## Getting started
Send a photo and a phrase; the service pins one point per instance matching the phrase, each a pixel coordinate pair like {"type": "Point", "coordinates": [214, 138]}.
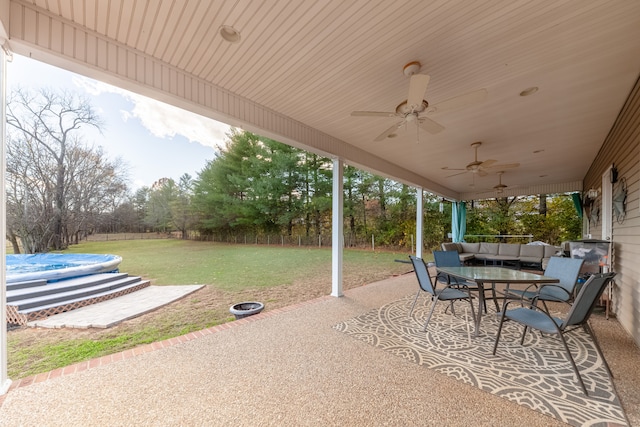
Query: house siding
{"type": "Point", "coordinates": [622, 148]}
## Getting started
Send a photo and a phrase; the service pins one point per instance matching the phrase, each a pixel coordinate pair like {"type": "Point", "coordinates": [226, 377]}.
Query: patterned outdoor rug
{"type": "Point", "coordinates": [537, 375]}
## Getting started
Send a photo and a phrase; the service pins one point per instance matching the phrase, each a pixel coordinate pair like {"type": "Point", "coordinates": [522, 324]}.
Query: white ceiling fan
{"type": "Point", "coordinates": [500, 188]}
{"type": "Point", "coordinates": [415, 108]}
{"type": "Point", "coordinates": [481, 168]}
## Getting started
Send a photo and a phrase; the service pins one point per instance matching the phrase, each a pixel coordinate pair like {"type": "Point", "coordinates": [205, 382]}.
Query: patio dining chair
{"type": "Point", "coordinates": [564, 269]}
{"type": "Point", "coordinates": [533, 317]}
{"type": "Point", "coordinates": [448, 259]}
{"type": "Point", "coordinates": [449, 293]}
{"type": "Point", "coordinates": [451, 259]}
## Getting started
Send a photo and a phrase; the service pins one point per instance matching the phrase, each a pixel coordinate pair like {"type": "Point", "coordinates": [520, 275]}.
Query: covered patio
{"type": "Point", "coordinates": [290, 367]}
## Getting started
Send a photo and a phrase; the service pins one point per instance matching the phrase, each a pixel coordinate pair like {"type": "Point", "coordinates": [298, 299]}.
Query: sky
{"type": "Point", "coordinates": [155, 140]}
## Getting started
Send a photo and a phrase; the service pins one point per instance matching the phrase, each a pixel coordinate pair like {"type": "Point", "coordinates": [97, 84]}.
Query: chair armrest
{"type": "Point", "coordinates": [507, 290]}
{"type": "Point", "coordinates": [555, 322]}
{"type": "Point", "coordinates": [523, 303]}
{"type": "Point", "coordinates": [533, 285]}
{"type": "Point", "coordinates": [555, 286]}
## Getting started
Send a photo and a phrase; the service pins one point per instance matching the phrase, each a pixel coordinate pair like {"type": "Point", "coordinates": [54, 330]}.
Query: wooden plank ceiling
{"type": "Point", "coordinates": [315, 62]}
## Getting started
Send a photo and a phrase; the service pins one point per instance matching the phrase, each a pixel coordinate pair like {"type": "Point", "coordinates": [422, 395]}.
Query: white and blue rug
{"type": "Point", "coordinates": [537, 375]}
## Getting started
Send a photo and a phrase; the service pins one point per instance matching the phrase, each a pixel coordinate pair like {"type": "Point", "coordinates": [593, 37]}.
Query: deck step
{"type": "Point", "coordinates": [34, 300]}
{"type": "Point", "coordinates": [25, 284]}
{"type": "Point", "coordinates": [129, 286]}
{"type": "Point", "coordinates": [73, 294]}
{"type": "Point", "coordinates": [68, 285]}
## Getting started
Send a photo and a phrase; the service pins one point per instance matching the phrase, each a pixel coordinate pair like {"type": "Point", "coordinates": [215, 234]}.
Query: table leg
{"type": "Point", "coordinates": [480, 307]}
{"type": "Point", "coordinates": [495, 296]}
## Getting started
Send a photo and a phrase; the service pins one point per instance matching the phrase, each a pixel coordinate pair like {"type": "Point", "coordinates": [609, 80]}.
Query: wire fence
{"type": "Point", "coordinates": [323, 240]}
{"type": "Point", "coordinates": [513, 238]}
{"type": "Point", "coordinates": [105, 237]}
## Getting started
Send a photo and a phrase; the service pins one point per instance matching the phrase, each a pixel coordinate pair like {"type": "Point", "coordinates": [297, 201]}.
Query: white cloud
{"type": "Point", "coordinates": [162, 120]}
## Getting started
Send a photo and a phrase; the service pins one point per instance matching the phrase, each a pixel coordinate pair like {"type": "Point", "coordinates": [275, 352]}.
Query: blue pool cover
{"type": "Point", "coordinates": [51, 266]}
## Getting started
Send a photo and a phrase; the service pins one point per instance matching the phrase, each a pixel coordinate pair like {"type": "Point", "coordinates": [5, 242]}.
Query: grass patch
{"type": "Point", "coordinates": [227, 267]}
{"type": "Point", "coordinates": [277, 276]}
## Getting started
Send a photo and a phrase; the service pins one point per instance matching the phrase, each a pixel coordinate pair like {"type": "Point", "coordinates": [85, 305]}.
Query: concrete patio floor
{"type": "Point", "coordinates": [283, 367]}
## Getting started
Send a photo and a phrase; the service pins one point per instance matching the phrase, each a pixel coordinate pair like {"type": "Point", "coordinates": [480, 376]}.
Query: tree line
{"type": "Point", "coordinates": [60, 189]}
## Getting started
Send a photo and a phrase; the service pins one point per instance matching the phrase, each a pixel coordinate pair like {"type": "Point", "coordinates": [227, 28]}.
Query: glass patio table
{"type": "Point", "coordinates": [490, 276]}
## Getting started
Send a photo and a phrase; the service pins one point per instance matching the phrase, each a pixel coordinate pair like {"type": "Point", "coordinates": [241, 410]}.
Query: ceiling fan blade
{"type": "Point", "coordinates": [501, 167]}
{"type": "Point", "coordinates": [446, 168]}
{"type": "Point", "coordinates": [373, 114]}
{"type": "Point", "coordinates": [388, 132]}
{"type": "Point", "coordinates": [430, 126]}
{"type": "Point", "coordinates": [456, 174]}
{"type": "Point", "coordinates": [460, 101]}
{"type": "Point", "coordinates": [481, 172]}
{"type": "Point", "coordinates": [487, 163]}
{"type": "Point", "coordinates": [417, 88]}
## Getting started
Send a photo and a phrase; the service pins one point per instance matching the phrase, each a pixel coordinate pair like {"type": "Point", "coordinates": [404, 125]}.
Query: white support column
{"type": "Point", "coordinates": [337, 229]}
{"type": "Point", "coordinates": [5, 382]}
{"type": "Point", "coordinates": [419, 218]}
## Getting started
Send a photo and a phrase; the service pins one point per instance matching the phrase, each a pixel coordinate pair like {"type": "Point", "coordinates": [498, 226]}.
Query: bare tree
{"type": "Point", "coordinates": [45, 160]}
{"type": "Point", "coordinates": [49, 121]}
{"type": "Point", "coordinates": [94, 186]}
{"type": "Point", "coordinates": [29, 197]}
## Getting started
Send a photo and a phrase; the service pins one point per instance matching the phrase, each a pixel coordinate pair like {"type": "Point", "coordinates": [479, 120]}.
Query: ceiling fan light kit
{"type": "Point", "coordinates": [411, 113]}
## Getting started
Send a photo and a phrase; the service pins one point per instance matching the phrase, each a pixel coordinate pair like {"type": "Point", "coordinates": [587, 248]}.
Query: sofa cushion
{"type": "Point", "coordinates": [470, 248]}
{"type": "Point", "coordinates": [509, 249]}
{"type": "Point", "coordinates": [534, 254]}
{"type": "Point", "coordinates": [488, 248]}
{"type": "Point", "coordinates": [531, 253]}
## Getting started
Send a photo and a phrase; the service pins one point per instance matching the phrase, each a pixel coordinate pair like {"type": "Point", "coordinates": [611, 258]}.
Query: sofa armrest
{"type": "Point", "coordinates": [451, 246]}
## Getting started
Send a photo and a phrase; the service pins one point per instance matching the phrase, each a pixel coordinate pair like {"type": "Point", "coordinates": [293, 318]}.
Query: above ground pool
{"type": "Point", "coordinates": [22, 268]}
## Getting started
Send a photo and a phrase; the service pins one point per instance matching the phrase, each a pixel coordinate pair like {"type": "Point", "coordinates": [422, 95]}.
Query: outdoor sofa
{"type": "Point", "coordinates": [536, 256]}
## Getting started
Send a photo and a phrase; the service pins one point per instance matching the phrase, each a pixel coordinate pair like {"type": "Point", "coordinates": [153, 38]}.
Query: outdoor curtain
{"type": "Point", "coordinates": [458, 221]}
{"type": "Point", "coordinates": [577, 202]}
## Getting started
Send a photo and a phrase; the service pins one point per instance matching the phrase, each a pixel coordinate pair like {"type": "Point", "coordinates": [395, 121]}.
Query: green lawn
{"type": "Point", "coordinates": [227, 267]}
{"type": "Point", "coordinates": [278, 276]}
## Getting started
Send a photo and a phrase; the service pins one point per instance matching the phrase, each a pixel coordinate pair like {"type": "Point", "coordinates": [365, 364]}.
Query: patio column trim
{"type": "Point", "coordinates": [5, 382]}
{"type": "Point", "coordinates": [419, 219]}
{"type": "Point", "coordinates": [337, 229]}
